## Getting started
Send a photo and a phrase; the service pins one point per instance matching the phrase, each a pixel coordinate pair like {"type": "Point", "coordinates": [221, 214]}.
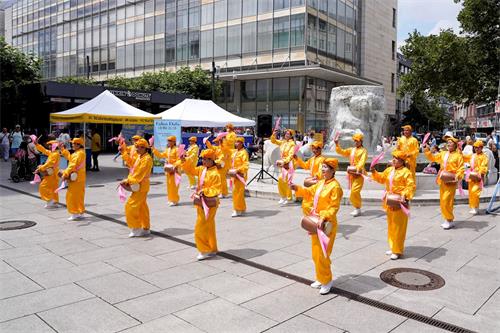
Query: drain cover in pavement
{"type": "Point", "coordinates": [412, 279]}
{"type": "Point", "coordinates": [16, 224]}
{"type": "Point", "coordinates": [95, 185]}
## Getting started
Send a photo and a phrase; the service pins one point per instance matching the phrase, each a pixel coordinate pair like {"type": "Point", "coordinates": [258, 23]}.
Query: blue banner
{"type": "Point", "coordinates": [162, 130]}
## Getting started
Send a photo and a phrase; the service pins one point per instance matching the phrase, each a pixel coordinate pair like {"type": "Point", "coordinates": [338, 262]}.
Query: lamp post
{"type": "Point", "coordinates": [214, 70]}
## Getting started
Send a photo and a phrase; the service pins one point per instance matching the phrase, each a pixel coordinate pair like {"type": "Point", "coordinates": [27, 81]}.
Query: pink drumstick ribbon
{"type": "Point", "coordinates": [121, 194]}
{"type": "Point", "coordinates": [63, 186]}
{"type": "Point", "coordinates": [323, 241]}
{"type": "Point", "coordinates": [426, 137]}
{"type": "Point", "coordinates": [376, 159]}
{"type": "Point", "coordinates": [36, 180]}
{"type": "Point", "coordinates": [181, 150]}
{"type": "Point", "coordinates": [152, 141]}
{"type": "Point", "coordinates": [277, 125]}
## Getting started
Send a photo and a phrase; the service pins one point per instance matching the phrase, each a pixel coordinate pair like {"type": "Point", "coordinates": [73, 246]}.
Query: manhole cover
{"type": "Point", "coordinates": [412, 279]}
{"type": "Point", "coordinates": [155, 183]}
{"type": "Point", "coordinates": [16, 224]}
{"type": "Point", "coordinates": [96, 185]}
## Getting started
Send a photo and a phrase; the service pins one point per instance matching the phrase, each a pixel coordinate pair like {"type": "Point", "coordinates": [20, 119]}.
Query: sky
{"type": "Point", "coordinates": [427, 17]}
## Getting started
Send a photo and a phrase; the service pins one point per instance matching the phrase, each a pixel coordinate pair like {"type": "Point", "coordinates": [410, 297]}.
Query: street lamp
{"type": "Point", "coordinates": [215, 71]}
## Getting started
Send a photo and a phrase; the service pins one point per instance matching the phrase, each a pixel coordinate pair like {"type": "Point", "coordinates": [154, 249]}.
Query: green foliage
{"type": "Point", "coordinates": [424, 111]}
{"type": "Point", "coordinates": [78, 80]}
{"type": "Point", "coordinates": [17, 68]}
{"type": "Point", "coordinates": [462, 68]}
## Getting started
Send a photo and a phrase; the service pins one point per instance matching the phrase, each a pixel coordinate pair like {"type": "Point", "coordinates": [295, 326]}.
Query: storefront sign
{"type": "Point", "coordinates": [138, 96]}
{"type": "Point", "coordinates": [60, 100]}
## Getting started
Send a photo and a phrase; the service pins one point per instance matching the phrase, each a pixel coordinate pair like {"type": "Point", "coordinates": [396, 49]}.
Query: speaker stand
{"type": "Point", "coordinates": [261, 174]}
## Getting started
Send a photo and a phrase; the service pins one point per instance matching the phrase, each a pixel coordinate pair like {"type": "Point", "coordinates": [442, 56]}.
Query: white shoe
{"type": "Point", "coordinates": [203, 256]}
{"type": "Point", "coordinates": [316, 285]}
{"type": "Point", "coordinates": [73, 217]}
{"type": "Point", "coordinates": [281, 201]}
{"type": "Point", "coordinates": [446, 225]}
{"type": "Point", "coordinates": [394, 256]}
{"type": "Point", "coordinates": [135, 232]}
{"type": "Point", "coordinates": [146, 232]}
{"type": "Point", "coordinates": [221, 196]}
{"type": "Point", "coordinates": [284, 203]}
{"type": "Point", "coordinates": [234, 214]}
{"type": "Point", "coordinates": [356, 212]}
{"type": "Point", "coordinates": [171, 204]}
{"type": "Point", "coordinates": [474, 211]}
{"type": "Point", "coordinates": [325, 288]}
{"type": "Point", "coordinates": [388, 253]}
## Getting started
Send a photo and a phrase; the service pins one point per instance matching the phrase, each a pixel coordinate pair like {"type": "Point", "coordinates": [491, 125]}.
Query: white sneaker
{"type": "Point", "coordinates": [171, 204]}
{"type": "Point", "coordinates": [80, 217]}
{"type": "Point", "coordinates": [146, 232]}
{"type": "Point", "coordinates": [203, 256]}
{"type": "Point", "coordinates": [284, 203]}
{"type": "Point", "coordinates": [474, 211]}
{"type": "Point", "coordinates": [281, 201]}
{"type": "Point", "coordinates": [73, 217]}
{"type": "Point", "coordinates": [135, 232]}
{"type": "Point", "coordinates": [446, 225]}
{"type": "Point", "coordinates": [316, 285]}
{"type": "Point", "coordinates": [193, 187]}
{"type": "Point", "coordinates": [394, 256]}
{"type": "Point", "coordinates": [325, 288]}
{"type": "Point", "coordinates": [221, 196]}
{"type": "Point", "coordinates": [388, 253]}
{"type": "Point", "coordinates": [356, 212]}
{"type": "Point", "coordinates": [234, 214]}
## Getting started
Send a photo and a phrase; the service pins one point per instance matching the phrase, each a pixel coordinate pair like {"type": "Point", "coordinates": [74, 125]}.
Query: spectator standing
{"type": "Point", "coordinates": [96, 149]}
{"type": "Point", "coordinates": [88, 150]}
{"type": "Point", "coordinates": [4, 144]}
{"type": "Point", "coordinates": [16, 138]}
{"type": "Point", "coordinates": [64, 138]}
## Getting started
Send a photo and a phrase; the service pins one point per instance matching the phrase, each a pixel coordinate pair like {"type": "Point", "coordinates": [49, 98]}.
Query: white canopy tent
{"type": "Point", "coordinates": [104, 108]}
{"type": "Point", "coordinates": [201, 113]}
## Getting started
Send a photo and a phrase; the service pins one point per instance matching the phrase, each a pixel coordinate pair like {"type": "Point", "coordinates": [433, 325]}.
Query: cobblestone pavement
{"type": "Point", "coordinates": [88, 276]}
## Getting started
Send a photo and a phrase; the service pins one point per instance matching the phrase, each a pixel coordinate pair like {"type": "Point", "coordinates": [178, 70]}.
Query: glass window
{"type": "Point", "coordinates": [159, 51]}
{"type": "Point", "coordinates": [95, 38]}
{"type": "Point", "coordinates": [323, 6]}
{"type": "Point", "coordinates": [312, 34]}
{"type": "Point", "coordinates": [281, 32]}
{"type": "Point", "coordinates": [194, 17]}
{"type": "Point", "coordinates": [149, 53]}
{"type": "Point", "coordinates": [265, 6]}
{"type": "Point", "coordinates": [207, 44]}
{"type": "Point", "coordinates": [170, 48]}
{"type": "Point", "coordinates": [248, 92]}
{"type": "Point", "coordinates": [182, 46]}
{"type": "Point", "coordinates": [220, 11]}
{"type": "Point", "coordinates": [111, 58]}
{"type": "Point", "coordinates": [120, 32]}
{"type": "Point", "coordinates": [160, 5]}
{"type": "Point", "coordinates": [265, 35]}
{"type": "Point", "coordinates": [341, 12]}
{"type": "Point", "coordinates": [207, 14]}
{"type": "Point", "coordinates": [129, 30]}
{"type": "Point", "coordinates": [349, 13]}
{"type": "Point", "coordinates": [139, 8]}
{"type": "Point", "coordinates": [297, 30]}
{"type": "Point", "coordinates": [249, 37]}
{"type": "Point", "coordinates": [332, 40]}
{"type": "Point", "coordinates": [194, 44]}
{"type": "Point", "coordinates": [112, 34]}
{"type": "Point", "coordinates": [159, 24]}
{"type": "Point", "coordinates": [149, 26]}
{"type": "Point", "coordinates": [234, 40]}
{"type": "Point", "coordinates": [340, 43]}
{"type": "Point", "coordinates": [120, 13]}
{"type": "Point", "coordinates": [280, 4]}
{"type": "Point", "coordinates": [249, 7]}
{"type": "Point", "coordinates": [130, 10]}
{"type": "Point", "coordinates": [104, 36]}
{"type": "Point", "coordinates": [149, 6]}
{"type": "Point", "coordinates": [182, 19]}
{"type": "Point", "coordinates": [104, 59]}
{"type": "Point", "coordinates": [170, 22]}
{"type": "Point", "coordinates": [348, 46]}
{"type": "Point", "coordinates": [322, 35]}
{"type": "Point", "coordinates": [219, 42]}
{"type": "Point", "coordinates": [234, 9]}
{"type": "Point", "coordinates": [139, 54]}
{"type": "Point", "coordinates": [139, 28]}
{"type": "Point", "coordinates": [332, 9]}
{"type": "Point", "coordinates": [129, 56]}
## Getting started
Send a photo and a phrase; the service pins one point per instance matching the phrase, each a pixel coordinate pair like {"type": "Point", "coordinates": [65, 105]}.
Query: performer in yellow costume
{"type": "Point", "coordinates": [397, 180]}
{"type": "Point", "coordinates": [451, 161]}
{"type": "Point", "coordinates": [230, 137]}
{"type": "Point", "coordinates": [313, 165]}
{"type": "Point", "coordinates": [240, 163]}
{"type": "Point", "coordinates": [75, 195]}
{"type": "Point", "coordinates": [208, 186]}
{"type": "Point", "coordinates": [287, 146]}
{"type": "Point", "coordinates": [171, 157]}
{"type": "Point", "coordinates": [192, 157]}
{"type": "Point", "coordinates": [131, 148]}
{"type": "Point", "coordinates": [136, 208]}
{"type": "Point", "coordinates": [49, 182]}
{"type": "Point", "coordinates": [409, 145]}
{"type": "Point", "coordinates": [357, 158]}
{"type": "Point", "coordinates": [479, 164]}
{"type": "Point", "coordinates": [222, 162]}
{"type": "Point", "coordinates": [328, 193]}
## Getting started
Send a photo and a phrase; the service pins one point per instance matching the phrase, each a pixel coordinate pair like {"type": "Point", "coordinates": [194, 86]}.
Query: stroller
{"type": "Point", "coordinates": [22, 167]}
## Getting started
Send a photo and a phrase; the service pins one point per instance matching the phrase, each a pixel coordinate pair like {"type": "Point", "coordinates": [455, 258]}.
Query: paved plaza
{"type": "Point", "coordinates": [87, 276]}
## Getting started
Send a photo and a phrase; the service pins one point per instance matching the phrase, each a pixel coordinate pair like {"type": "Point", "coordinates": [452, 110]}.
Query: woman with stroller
{"type": "Point", "coordinates": [75, 175]}
{"type": "Point", "coordinates": [49, 170]}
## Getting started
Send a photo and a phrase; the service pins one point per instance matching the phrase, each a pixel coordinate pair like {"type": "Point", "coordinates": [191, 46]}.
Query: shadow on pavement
{"type": "Point", "coordinates": [475, 225]}
{"type": "Point", "coordinates": [424, 252]}
{"type": "Point", "coordinates": [344, 230]}
{"type": "Point", "coordinates": [262, 213]}
{"type": "Point", "coordinates": [359, 284]}
{"type": "Point", "coordinates": [372, 212]}
{"type": "Point", "coordinates": [247, 253]}
{"type": "Point", "coordinates": [177, 231]}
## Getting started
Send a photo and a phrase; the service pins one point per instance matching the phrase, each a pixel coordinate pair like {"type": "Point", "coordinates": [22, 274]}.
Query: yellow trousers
{"type": "Point", "coordinates": [239, 203]}
{"type": "Point", "coordinates": [284, 189]}
{"type": "Point", "coordinates": [412, 165]}
{"type": "Point", "coordinates": [397, 221]}
{"type": "Point", "coordinates": [446, 200]}
{"type": "Point", "coordinates": [192, 179]}
{"type": "Point", "coordinates": [323, 264]}
{"type": "Point", "coordinates": [172, 189]}
{"type": "Point", "coordinates": [47, 187]}
{"type": "Point", "coordinates": [204, 231]}
{"type": "Point", "coordinates": [474, 193]}
{"type": "Point", "coordinates": [356, 187]}
{"type": "Point", "coordinates": [137, 211]}
{"type": "Point", "coordinates": [75, 197]}
{"type": "Point", "coordinates": [223, 181]}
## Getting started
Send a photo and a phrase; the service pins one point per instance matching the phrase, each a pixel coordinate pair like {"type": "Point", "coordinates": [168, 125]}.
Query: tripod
{"type": "Point", "coordinates": [260, 175]}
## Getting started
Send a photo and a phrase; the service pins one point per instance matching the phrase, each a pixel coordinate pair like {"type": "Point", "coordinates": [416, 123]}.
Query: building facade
{"type": "Point", "coordinates": [402, 102]}
{"type": "Point", "coordinates": [279, 57]}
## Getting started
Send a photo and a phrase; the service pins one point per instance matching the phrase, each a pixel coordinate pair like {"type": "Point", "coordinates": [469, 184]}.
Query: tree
{"type": "Point", "coordinates": [78, 80]}
{"type": "Point", "coordinates": [462, 68]}
{"type": "Point", "coordinates": [425, 112]}
{"type": "Point", "coordinates": [16, 69]}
